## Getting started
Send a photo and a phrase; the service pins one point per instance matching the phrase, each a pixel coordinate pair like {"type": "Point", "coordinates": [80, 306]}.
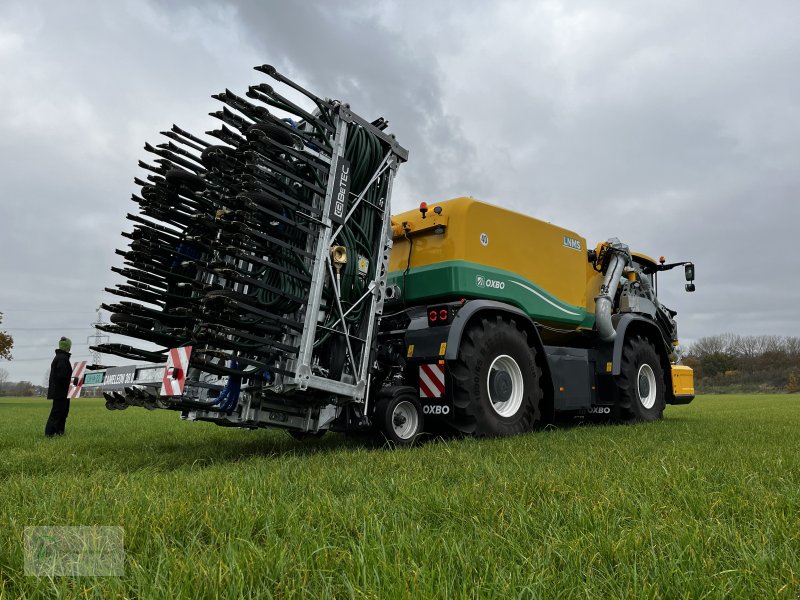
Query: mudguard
{"type": "Point", "coordinates": [423, 342]}
{"type": "Point", "coordinates": [635, 321]}
{"type": "Point", "coordinates": [471, 308]}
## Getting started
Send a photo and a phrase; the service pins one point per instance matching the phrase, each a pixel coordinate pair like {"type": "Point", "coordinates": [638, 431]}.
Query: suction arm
{"type": "Point", "coordinates": [617, 256]}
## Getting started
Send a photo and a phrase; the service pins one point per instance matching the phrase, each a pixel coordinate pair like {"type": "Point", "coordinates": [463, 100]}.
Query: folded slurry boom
{"type": "Point", "coordinates": [264, 247]}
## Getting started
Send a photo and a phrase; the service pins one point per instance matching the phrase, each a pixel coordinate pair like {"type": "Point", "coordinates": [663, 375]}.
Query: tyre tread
{"type": "Point", "coordinates": [467, 414]}
{"type": "Point", "coordinates": [629, 408]}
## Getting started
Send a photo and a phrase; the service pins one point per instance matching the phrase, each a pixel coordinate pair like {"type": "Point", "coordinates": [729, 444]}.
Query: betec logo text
{"type": "Point", "coordinates": [341, 197]}
{"type": "Point", "coordinates": [482, 281]}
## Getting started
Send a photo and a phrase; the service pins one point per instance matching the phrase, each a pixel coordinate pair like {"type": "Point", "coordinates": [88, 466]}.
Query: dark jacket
{"type": "Point", "coordinates": [60, 374]}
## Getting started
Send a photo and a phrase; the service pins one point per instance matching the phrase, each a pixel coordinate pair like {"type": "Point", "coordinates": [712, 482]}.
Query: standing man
{"type": "Point", "coordinates": [60, 374]}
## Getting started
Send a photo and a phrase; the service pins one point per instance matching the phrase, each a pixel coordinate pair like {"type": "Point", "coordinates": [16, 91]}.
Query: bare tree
{"type": "Point", "coordinates": [793, 346]}
{"type": "Point", "coordinates": [709, 345]}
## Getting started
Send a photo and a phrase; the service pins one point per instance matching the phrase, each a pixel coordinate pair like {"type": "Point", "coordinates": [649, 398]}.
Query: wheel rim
{"type": "Point", "coordinates": [505, 386]}
{"type": "Point", "coordinates": [646, 386]}
{"type": "Point", "coordinates": [405, 420]}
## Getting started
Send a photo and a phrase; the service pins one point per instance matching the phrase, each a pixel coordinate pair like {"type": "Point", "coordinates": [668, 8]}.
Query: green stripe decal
{"type": "Point", "coordinates": [462, 279]}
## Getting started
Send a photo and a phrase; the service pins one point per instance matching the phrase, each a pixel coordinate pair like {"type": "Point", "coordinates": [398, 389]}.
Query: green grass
{"type": "Point", "coordinates": [703, 504]}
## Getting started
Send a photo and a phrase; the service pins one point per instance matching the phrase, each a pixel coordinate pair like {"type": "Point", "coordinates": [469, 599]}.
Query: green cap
{"type": "Point", "coordinates": [65, 344]}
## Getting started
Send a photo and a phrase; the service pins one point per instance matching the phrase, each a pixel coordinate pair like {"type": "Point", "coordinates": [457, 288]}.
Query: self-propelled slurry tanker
{"type": "Point", "coordinates": [273, 288]}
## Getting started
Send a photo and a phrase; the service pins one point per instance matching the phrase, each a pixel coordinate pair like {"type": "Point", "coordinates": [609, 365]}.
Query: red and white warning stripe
{"type": "Point", "coordinates": [175, 372]}
{"type": "Point", "coordinates": [431, 381]}
{"type": "Point", "coordinates": [76, 381]}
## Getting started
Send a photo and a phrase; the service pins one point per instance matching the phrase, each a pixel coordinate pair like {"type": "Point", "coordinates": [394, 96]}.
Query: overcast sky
{"type": "Point", "coordinates": [674, 126]}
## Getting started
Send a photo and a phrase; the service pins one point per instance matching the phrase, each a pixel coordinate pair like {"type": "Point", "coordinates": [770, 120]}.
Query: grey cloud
{"type": "Point", "coordinates": [355, 55]}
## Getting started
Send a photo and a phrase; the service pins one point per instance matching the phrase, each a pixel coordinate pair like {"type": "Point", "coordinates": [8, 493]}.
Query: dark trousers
{"type": "Point", "coordinates": [58, 417]}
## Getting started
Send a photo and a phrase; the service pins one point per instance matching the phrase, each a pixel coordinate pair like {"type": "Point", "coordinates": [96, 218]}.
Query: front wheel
{"type": "Point", "coordinates": [640, 382]}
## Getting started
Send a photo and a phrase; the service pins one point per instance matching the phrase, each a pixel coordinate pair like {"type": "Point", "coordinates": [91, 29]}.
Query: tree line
{"type": "Point", "coordinates": [20, 388]}
{"type": "Point", "coordinates": [722, 363]}
{"type": "Point", "coordinates": [745, 363]}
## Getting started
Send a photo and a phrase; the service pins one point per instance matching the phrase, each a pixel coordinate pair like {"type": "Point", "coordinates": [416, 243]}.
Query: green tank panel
{"type": "Point", "coordinates": [462, 279]}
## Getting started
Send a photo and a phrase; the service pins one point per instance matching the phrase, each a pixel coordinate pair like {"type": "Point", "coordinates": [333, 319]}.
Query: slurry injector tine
{"type": "Point", "coordinates": [272, 72]}
{"type": "Point", "coordinates": [184, 140]}
{"type": "Point", "coordinates": [189, 136]}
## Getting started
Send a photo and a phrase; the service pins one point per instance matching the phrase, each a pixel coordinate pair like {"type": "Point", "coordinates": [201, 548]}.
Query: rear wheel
{"type": "Point", "coordinates": [640, 382]}
{"type": "Point", "coordinates": [398, 416]}
{"type": "Point", "coordinates": [496, 387]}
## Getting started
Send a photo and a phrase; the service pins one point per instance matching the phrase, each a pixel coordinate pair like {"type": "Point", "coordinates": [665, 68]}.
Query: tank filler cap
{"type": "Point", "coordinates": [423, 208]}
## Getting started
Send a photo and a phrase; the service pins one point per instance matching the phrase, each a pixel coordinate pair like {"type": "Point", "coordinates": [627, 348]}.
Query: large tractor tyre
{"type": "Point", "coordinates": [640, 382]}
{"type": "Point", "coordinates": [496, 382]}
{"type": "Point", "coordinates": [398, 416]}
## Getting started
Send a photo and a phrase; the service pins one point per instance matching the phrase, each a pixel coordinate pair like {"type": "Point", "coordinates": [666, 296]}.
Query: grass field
{"type": "Point", "coordinates": [703, 504]}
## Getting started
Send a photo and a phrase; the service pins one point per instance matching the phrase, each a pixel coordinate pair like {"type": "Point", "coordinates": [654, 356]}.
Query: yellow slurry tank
{"type": "Point", "coordinates": [464, 247]}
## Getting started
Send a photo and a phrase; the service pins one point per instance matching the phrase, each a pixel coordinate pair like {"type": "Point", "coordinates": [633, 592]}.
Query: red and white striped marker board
{"type": "Point", "coordinates": [431, 381]}
{"type": "Point", "coordinates": [76, 381]}
{"type": "Point", "coordinates": [175, 372]}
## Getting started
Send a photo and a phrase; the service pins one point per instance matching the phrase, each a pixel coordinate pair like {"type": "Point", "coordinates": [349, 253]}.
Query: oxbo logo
{"type": "Point", "coordinates": [482, 281]}
{"type": "Point", "coordinates": [599, 410]}
{"type": "Point", "coordinates": [436, 409]}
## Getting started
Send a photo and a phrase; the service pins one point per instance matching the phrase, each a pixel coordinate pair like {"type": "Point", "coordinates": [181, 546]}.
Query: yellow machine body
{"type": "Point", "coordinates": [682, 383]}
{"type": "Point", "coordinates": [464, 247]}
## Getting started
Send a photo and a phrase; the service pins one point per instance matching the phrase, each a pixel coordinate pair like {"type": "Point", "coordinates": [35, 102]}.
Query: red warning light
{"type": "Point", "coordinates": [423, 208]}
{"type": "Point", "coordinates": [439, 315]}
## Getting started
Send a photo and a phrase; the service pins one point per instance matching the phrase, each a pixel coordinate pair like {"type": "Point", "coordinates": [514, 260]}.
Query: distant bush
{"type": "Point", "coordinates": [792, 386]}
